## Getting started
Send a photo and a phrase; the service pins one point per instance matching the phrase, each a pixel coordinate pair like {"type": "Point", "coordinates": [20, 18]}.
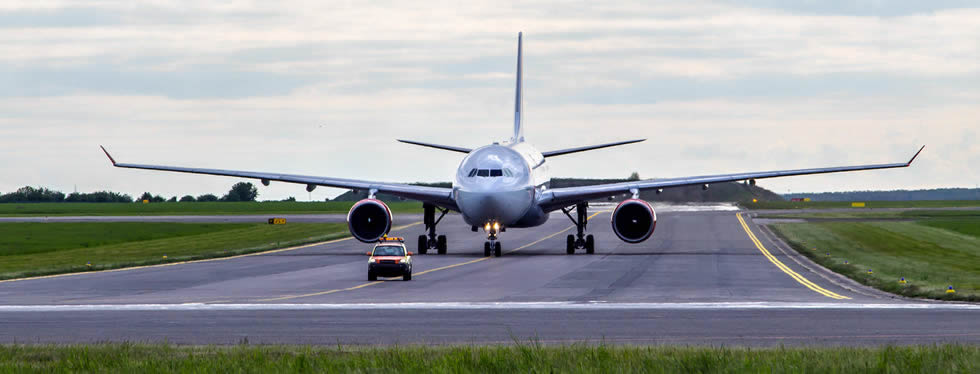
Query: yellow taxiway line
{"type": "Point", "coordinates": [796, 276]}
{"type": "Point", "coordinates": [195, 261]}
{"type": "Point", "coordinates": [321, 293]}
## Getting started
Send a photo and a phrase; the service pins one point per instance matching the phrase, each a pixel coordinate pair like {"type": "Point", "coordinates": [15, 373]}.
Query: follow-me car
{"type": "Point", "coordinates": [390, 258]}
{"type": "Point", "coordinates": [506, 185]}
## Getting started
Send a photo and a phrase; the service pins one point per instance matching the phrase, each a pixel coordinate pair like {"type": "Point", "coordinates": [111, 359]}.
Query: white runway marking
{"type": "Point", "coordinates": [486, 305]}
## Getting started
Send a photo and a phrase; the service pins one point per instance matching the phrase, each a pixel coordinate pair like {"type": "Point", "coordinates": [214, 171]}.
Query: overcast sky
{"type": "Point", "coordinates": [324, 88]}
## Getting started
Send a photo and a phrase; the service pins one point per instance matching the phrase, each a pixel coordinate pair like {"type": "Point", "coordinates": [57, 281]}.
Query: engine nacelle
{"type": "Point", "coordinates": [634, 220]}
{"type": "Point", "coordinates": [369, 220]}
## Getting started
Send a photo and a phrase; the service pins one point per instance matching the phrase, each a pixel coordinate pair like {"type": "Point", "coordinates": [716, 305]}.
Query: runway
{"type": "Point", "coordinates": [701, 279]}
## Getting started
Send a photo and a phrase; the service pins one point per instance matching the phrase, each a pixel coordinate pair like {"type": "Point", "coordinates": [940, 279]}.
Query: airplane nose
{"type": "Point", "coordinates": [501, 206]}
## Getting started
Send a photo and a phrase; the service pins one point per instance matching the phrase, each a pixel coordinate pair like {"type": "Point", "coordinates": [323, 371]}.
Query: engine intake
{"type": "Point", "coordinates": [634, 220]}
{"type": "Point", "coordinates": [369, 220]}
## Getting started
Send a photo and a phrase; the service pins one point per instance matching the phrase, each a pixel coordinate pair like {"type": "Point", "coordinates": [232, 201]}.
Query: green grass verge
{"type": "Point", "coordinates": [207, 208]}
{"type": "Point", "coordinates": [930, 254]}
{"type": "Point", "coordinates": [54, 248]}
{"type": "Point", "coordinates": [869, 215]}
{"type": "Point", "coordinates": [32, 237]}
{"type": "Point", "coordinates": [868, 204]}
{"type": "Point", "coordinates": [519, 358]}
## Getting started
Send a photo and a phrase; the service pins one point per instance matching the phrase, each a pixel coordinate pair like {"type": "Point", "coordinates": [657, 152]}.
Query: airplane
{"type": "Point", "coordinates": [507, 185]}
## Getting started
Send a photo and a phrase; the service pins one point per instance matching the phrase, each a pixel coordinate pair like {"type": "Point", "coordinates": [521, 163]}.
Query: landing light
{"type": "Point", "coordinates": [487, 226]}
{"type": "Point", "coordinates": [496, 226]}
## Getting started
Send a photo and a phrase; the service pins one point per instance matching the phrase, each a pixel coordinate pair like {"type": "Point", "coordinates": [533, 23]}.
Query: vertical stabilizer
{"type": "Point", "coordinates": [519, 95]}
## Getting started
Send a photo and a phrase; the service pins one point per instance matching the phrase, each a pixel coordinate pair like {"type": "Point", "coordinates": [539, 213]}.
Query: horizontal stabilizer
{"type": "Point", "coordinates": [588, 148]}
{"type": "Point", "coordinates": [438, 146]}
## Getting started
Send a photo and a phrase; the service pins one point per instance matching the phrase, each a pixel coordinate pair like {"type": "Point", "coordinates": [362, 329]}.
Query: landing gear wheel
{"type": "Point", "coordinates": [372, 277]}
{"type": "Point", "coordinates": [496, 249]}
{"type": "Point", "coordinates": [570, 245]}
{"type": "Point", "coordinates": [441, 244]}
{"type": "Point", "coordinates": [486, 249]}
{"type": "Point", "coordinates": [407, 276]}
{"type": "Point", "coordinates": [589, 244]}
{"type": "Point", "coordinates": [423, 244]}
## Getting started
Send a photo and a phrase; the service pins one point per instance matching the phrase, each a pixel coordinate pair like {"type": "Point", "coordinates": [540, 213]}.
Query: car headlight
{"type": "Point", "coordinates": [372, 260]}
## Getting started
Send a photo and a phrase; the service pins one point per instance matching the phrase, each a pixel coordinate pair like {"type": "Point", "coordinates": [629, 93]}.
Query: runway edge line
{"type": "Point", "coordinates": [779, 264]}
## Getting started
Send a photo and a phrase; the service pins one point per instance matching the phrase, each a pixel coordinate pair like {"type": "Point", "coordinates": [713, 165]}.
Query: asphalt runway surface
{"type": "Point", "coordinates": [701, 279]}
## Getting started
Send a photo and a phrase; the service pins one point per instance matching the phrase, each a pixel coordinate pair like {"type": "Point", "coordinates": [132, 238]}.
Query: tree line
{"type": "Point", "coordinates": [241, 191]}
{"type": "Point", "coordinates": [894, 195]}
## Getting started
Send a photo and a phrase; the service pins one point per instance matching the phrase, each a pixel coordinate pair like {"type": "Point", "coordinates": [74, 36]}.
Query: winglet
{"type": "Point", "coordinates": [916, 155]}
{"type": "Point", "coordinates": [107, 155]}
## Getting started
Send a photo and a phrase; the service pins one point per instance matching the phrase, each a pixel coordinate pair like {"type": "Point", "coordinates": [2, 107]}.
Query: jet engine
{"type": "Point", "coordinates": [369, 220]}
{"type": "Point", "coordinates": [634, 220]}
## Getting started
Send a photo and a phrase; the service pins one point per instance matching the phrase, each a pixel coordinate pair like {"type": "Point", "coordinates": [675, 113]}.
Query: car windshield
{"type": "Point", "coordinates": [389, 250]}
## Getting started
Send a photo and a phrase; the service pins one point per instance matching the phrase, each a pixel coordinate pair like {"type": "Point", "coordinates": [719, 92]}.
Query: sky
{"type": "Point", "coordinates": [324, 88]}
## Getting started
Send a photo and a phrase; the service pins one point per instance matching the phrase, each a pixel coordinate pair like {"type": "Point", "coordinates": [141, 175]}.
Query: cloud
{"type": "Point", "coordinates": [323, 87]}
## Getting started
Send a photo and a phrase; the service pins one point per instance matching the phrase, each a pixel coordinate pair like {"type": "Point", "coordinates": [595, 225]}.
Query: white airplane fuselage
{"type": "Point", "coordinates": [499, 183]}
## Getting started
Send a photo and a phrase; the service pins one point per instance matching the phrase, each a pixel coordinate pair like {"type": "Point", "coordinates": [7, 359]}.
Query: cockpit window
{"type": "Point", "coordinates": [490, 173]}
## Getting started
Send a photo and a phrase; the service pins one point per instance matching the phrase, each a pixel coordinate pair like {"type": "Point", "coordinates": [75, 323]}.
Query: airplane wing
{"type": "Point", "coordinates": [437, 146]}
{"type": "Point", "coordinates": [587, 148]}
{"type": "Point", "coordinates": [561, 197]}
{"type": "Point", "coordinates": [434, 195]}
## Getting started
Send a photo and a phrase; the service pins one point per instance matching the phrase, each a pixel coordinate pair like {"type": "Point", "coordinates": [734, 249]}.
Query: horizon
{"type": "Point", "coordinates": [715, 86]}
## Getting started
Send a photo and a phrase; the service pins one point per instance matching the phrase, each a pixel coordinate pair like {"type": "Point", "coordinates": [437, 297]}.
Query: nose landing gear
{"type": "Point", "coordinates": [580, 240]}
{"type": "Point", "coordinates": [432, 241]}
{"type": "Point", "coordinates": [492, 245]}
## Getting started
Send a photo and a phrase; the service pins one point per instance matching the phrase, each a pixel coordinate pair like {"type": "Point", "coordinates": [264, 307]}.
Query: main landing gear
{"type": "Point", "coordinates": [492, 245]}
{"type": "Point", "coordinates": [432, 241]}
{"type": "Point", "coordinates": [579, 240]}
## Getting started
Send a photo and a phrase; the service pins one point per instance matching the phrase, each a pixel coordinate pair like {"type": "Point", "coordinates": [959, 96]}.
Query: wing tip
{"type": "Point", "coordinates": [112, 160]}
{"type": "Point", "coordinates": [916, 155]}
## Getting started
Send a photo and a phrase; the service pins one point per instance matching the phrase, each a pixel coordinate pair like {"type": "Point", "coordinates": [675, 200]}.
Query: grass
{"type": "Point", "coordinates": [206, 208]}
{"type": "Point", "coordinates": [869, 215]}
{"type": "Point", "coordinates": [32, 249]}
{"type": "Point", "coordinates": [930, 254]}
{"type": "Point", "coordinates": [868, 204]}
{"type": "Point", "coordinates": [518, 358]}
{"type": "Point", "coordinates": [31, 238]}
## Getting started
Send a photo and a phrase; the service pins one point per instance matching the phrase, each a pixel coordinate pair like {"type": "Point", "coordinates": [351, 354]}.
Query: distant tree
{"type": "Point", "coordinates": [172, 199]}
{"type": "Point", "coordinates": [207, 197]}
{"type": "Point", "coordinates": [242, 191]}
{"type": "Point", "coordinates": [634, 177]}
{"type": "Point", "coordinates": [152, 198]}
{"type": "Point", "coordinates": [98, 197]}
{"type": "Point", "coordinates": [289, 199]}
{"type": "Point", "coordinates": [30, 194]}
{"type": "Point", "coordinates": [187, 199]}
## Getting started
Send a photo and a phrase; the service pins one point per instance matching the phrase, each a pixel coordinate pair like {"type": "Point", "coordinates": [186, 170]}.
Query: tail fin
{"type": "Point", "coordinates": [519, 96]}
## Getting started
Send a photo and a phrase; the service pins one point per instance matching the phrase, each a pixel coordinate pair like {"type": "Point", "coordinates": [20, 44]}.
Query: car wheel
{"type": "Point", "coordinates": [407, 276]}
{"type": "Point", "coordinates": [372, 277]}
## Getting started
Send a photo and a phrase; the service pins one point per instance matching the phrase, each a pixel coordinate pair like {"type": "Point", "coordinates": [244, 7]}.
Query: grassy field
{"type": "Point", "coordinates": [519, 358]}
{"type": "Point", "coordinates": [870, 215]}
{"type": "Point", "coordinates": [207, 208]}
{"type": "Point", "coordinates": [930, 253]}
{"type": "Point", "coordinates": [30, 249]}
{"type": "Point", "coordinates": [868, 204]}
